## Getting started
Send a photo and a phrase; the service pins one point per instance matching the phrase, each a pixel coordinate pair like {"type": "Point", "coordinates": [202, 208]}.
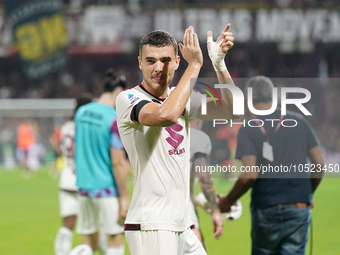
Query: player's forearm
{"type": "Point", "coordinates": [227, 97]}
{"type": "Point", "coordinates": [177, 100]}
{"type": "Point", "coordinates": [208, 189]}
{"type": "Point", "coordinates": [121, 175]}
{"type": "Point", "coordinates": [224, 77]}
{"type": "Point", "coordinates": [120, 169]}
{"type": "Point", "coordinates": [217, 52]}
{"type": "Point", "coordinates": [240, 188]}
{"type": "Point", "coordinates": [206, 183]}
{"type": "Point", "coordinates": [175, 104]}
{"type": "Point", "coordinates": [167, 114]}
{"type": "Point", "coordinates": [315, 183]}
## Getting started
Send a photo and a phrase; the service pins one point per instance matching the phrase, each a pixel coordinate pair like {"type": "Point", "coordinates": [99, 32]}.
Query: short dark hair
{"type": "Point", "coordinates": [112, 81]}
{"type": "Point", "coordinates": [158, 38]}
{"type": "Point", "coordinates": [262, 89]}
{"type": "Point", "coordinates": [82, 99]}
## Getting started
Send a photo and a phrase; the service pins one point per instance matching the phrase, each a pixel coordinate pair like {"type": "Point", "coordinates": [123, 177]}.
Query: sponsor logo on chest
{"type": "Point", "coordinates": [175, 139]}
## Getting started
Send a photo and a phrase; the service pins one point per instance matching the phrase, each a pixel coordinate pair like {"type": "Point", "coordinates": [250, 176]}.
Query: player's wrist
{"type": "Point", "coordinates": [216, 55]}
{"type": "Point", "coordinates": [123, 197]}
{"type": "Point", "coordinates": [224, 204]}
{"type": "Point", "coordinates": [195, 65]}
{"type": "Point", "coordinates": [216, 211]}
{"type": "Point", "coordinates": [220, 66]}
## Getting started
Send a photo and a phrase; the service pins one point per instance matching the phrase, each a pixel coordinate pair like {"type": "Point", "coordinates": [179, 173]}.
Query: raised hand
{"type": "Point", "coordinates": [190, 48]}
{"type": "Point", "coordinates": [217, 50]}
{"type": "Point", "coordinates": [123, 209]}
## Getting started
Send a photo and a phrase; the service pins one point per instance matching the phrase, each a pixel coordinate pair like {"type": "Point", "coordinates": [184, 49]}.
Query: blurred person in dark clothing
{"type": "Point", "coordinates": [280, 202]}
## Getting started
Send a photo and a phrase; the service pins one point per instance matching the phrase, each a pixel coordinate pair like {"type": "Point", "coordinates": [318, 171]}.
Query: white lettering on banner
{"type": "Point", "coordinates": [288, 30]}
{"type": "Point", "coordinates": [225, 17]}
{"type": "Point", "coordinates": [113, 24]}
{"type": "Point", "coordinates": [287, 25]}
{"type": "Point", "coordinates": [138, 26]}
{"type": "Point", "coordinates": [319, 26]}
{"type": "Point", "coordinates": [204, 20]}
{"type": "Point", "coordinates": [5, 37]}
{"type": "Point", "coordinates": [242, 25]}
{"type": "Point", "coordinates": [170, 21]}
{"type": "Point", "coordinates": [306, 24]}
{"type": "Point", "coordinates": [175, 23]}
{"type": "Point", "coordinates": [191, 18]}
{"type": "Point", "coordinates": [160, 20]}
{"type": "Point", "coordinates": [334, 26]}
{"type": "Point", "coordinates": [267, 25]}
{"type": "Point", "coordinates": [103, 24]}
{"type": "Point", "coordinates": [296, 25]}
{"type": "Point", "coordinates": [207, 21]}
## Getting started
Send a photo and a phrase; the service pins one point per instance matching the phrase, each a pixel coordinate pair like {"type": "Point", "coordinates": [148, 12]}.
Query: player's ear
{"type": "Point", "coordinates": [140, 62]}
{"type": "Point", "coordinates": [178, 59]}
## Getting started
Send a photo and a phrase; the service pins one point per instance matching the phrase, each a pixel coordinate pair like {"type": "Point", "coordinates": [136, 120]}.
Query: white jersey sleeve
{"type": "Point", "coordinates": [68, 177]}
{"type": "Point", "coordinates": [126, 101]}
{"type": "Point", "coordinates": [194, 104]}
{"type": "Point", "coordinates": [67, 133]}
{"type": "Point", "coordinates": [199, 143]}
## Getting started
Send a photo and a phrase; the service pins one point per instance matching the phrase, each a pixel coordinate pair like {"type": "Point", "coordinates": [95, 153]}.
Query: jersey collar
{"type": "Point", "coordinates": [160, 99]}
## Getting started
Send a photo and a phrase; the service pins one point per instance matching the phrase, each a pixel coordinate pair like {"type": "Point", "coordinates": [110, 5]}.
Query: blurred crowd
{"type": "Point", "coordinates": [84, 73]}
{"type": "Point", "coordinates": [162, 3]}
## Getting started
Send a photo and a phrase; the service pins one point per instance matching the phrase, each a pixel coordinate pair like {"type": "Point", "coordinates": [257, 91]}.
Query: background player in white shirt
{"type": "Point", "coordinates": [68, 201]}
{"type": "Point", "coordinates": [153, 125]}
{"type": "Point", "coordinates": [200, 148]}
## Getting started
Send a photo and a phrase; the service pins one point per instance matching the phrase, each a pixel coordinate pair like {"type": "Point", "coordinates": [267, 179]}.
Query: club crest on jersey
{"type": "Point", "coordinates": [132, 98]}
{"type": "Point", "coordinates": [175, 139]}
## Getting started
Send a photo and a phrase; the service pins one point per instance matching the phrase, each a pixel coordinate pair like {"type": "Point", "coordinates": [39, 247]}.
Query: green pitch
{"type": "Point", "coordinates": [29, 218]}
